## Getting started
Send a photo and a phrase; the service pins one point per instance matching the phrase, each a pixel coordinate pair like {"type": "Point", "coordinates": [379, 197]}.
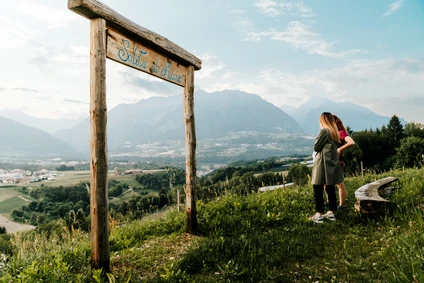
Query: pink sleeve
{"type": "Point", "coordinates": [343, 134]}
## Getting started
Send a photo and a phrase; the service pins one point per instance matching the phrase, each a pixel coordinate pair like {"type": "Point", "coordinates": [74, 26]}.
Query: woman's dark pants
{"type": "Point", "coordinates": [319, 198]}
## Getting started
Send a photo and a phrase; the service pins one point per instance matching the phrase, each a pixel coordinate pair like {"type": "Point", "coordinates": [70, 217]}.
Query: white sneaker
{"type": "Point", "coordinates": [317, 218]}
{"type": "Point", "coordinates": [329, 215]}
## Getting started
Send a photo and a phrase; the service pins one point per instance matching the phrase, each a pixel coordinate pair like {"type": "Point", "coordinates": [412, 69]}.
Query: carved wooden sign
{"type": "Point", "coordinates": [117, 38]}
{"type": "Point", "coordinates": [135, 55]}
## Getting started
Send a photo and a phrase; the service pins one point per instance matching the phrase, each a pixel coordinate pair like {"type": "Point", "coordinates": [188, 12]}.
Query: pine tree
{"type": "Point", "coordinates": [395, 132]}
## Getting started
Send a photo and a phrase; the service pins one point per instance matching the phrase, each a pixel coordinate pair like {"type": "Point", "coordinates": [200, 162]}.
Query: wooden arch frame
{"type": "Point", "coordinates": [115, 37]}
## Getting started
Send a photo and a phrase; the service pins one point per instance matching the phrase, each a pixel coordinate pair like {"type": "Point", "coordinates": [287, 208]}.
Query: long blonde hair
{"type": "Point", "coordinates": [327, 121]}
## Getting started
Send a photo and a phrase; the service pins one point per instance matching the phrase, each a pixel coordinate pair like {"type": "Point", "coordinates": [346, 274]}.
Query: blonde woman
{"type": "Point", "coordinates": [345, 142]}
{"type": "Point", "coordinates": [326, 171]}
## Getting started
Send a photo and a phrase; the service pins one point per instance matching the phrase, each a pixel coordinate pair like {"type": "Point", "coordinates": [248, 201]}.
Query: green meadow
{"type": "Point", "coordinates": [261, 237]}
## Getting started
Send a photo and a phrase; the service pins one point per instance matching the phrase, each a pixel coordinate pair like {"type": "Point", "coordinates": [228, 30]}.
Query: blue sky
{"type": "Point", "coordinates": [367, 52]}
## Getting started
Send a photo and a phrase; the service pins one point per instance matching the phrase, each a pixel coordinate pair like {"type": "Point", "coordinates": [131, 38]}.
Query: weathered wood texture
{"type": "Point", "coordinates": [271, 188]}
{"type": "Point", "coordinates": [94, 9]}
{"type": "Point", "coordinates": [100, 257]}
{"type": "Point", "coordinates": [190, 131]}
{"type": "Point", "coordinates": [367, 198]}
{"type": "Point", "coordinates": [135, 55]}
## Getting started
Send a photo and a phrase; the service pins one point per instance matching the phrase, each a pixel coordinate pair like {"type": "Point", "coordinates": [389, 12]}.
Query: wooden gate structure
{"type": "Point", "coordinates": [115, 37]}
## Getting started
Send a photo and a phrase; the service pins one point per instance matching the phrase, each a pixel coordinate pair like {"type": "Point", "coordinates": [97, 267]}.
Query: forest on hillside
{"type": "Point", "coordinates": [389, 147]}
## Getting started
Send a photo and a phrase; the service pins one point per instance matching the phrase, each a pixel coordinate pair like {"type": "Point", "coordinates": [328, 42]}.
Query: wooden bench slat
{"type": "Point", "coordinates": [367, 197]}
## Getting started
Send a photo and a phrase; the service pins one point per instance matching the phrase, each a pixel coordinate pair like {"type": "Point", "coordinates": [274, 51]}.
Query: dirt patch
{"type": "Point", "coordinates": [13, 227]}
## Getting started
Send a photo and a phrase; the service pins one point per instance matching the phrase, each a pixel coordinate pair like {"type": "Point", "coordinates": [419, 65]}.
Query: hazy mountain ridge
{"type": "Point", "coordinates": [355, 116]}
{"type": "Point", "coordinates": [162, 118]}
{"type": "Point", "coordinates": [228, 123]}
{"type": "Point", "coordinates": [47, 125]}
{"type": "Point", "coordinates": [21, 140]}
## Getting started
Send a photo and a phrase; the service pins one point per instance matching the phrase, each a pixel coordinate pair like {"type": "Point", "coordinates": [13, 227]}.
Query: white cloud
{"type": "Point", "coordinates": [127, 85]}
{"type": "Point", "coordinates": [389, 86]}
{"type": "Point", "coordinates": [270, 7]}
{"type": "Point", "coordinates": [305, 12]}
{"type": "Point", "coordinates": [230, 75]}
{"type": "Point", "coordinates": [273, 8]}
{"type": "Point", "coordinates": [299, 36]}
{"type": "Point", "coordinates": [56, 18]}
{"type": "Point", "coordinates": [393, 8]}
{"type": "Point", "coordinates": [17, 35]}
{"type": "Point", "coordinates": [210, 64]}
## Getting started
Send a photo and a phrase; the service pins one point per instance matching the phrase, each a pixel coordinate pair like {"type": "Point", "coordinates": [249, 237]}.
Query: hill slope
{"type": "Point", "coordinates": [47, 125]}
{"type": "Point", "coordinates": [20, 140]}
{"type": "Point", "coordinates": [268, 231]}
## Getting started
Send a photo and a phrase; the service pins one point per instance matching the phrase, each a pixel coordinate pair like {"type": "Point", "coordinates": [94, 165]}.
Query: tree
{"type": "Point", "coordinates": [70, 221]}
{"type": "Point", "coordinates": [163, 198]}
{"type": "Point", "coordinates": [80, 220]}
{"type": "Point", "coordinates": [414, 130]}
{"type": "Point", "coordinates": [371, 148]}
{"type": "Point", "coordinates": [352, 158]}
{"type": "Point", "coordinates": [395, 132]}
{"type": "Point", "coordinates": [410, 153]}
{"type": "Point", "coordinates": [299, 174]}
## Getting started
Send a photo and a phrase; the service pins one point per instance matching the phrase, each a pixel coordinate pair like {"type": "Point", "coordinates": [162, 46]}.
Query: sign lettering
{"type": "Point", "coordinates": [135, 55]}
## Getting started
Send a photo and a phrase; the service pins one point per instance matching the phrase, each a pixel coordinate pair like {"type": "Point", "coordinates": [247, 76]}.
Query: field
{"type": "Point", "coordinates": [11, 199]}
{"type": "Point", "coordinates": [71, 178]}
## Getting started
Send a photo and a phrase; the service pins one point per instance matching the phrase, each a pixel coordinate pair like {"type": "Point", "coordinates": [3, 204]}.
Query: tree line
{"type": "Point", "coordinates": [391, 146]}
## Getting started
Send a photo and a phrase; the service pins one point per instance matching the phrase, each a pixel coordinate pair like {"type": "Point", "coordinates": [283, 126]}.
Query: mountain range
{"type": "Point", "coordinates": [354, 116]}
{"type": "Point", "coordinates": [228, 123]}
{"type": "Point", "coordinates": [19, 140]}
{"type": "Point", "coordinates": [162, 118]}
{"type": "Point", "coordinates": [47, 125]}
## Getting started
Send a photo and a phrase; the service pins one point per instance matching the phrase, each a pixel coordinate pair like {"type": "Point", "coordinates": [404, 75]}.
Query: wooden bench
{"type": "Point", "coordinates": [368, 201]}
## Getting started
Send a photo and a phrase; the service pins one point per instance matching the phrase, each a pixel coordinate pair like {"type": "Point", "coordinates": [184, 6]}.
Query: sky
{"type": "Point", "coordinates": [367, 52]}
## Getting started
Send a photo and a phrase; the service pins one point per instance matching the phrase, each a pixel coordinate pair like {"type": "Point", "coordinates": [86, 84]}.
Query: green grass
{"type": "Point", "coordinates": [7, 206]}
{"type": "Point", "coordinates": [8, 193]}
{"type": "Point", "coordinates": [10, 199]}
{"type": "Point", "coordinates": [123, 197]}
{"type": "Point", "coordinates": [259, 238]}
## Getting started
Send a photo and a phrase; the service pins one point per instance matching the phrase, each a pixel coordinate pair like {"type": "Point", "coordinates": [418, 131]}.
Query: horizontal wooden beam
{"type": "Point", "coordinates": [94, 9]}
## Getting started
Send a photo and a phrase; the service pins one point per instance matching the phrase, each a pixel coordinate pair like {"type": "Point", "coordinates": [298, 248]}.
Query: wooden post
{"type": "Point", "coordinates": [190, 131]}
{"type": "Point", "coordinates": [362, 169]}
{"type": "Point", "coordinates": [100, 257]}
{"type": "Point", "coordinates": [284, 181]}
{"type": "Point", "coordinates": [178, 200]}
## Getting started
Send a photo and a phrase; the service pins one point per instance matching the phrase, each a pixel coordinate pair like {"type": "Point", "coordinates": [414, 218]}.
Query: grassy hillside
{"type": "Point", "coordinates": [11, 199]}
{"type": "Point", "coordinates": [259, 238]}
{"type": "Point", "coordinates": [71, 178]}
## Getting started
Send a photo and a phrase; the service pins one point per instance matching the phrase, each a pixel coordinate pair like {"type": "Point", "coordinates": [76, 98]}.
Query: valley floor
{"type": "Point", "coordinates": [13, 227]}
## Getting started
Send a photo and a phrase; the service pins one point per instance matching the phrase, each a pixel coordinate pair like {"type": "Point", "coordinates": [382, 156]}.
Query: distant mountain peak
{"type": "Point", "coordinates": [162, 118]}
{"type": "Point", "coordinates": [355, 116]}
{"type": "Point", "coordinates": [47, 125]}
{"type": "Point", "coordinates": [21, 140]}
